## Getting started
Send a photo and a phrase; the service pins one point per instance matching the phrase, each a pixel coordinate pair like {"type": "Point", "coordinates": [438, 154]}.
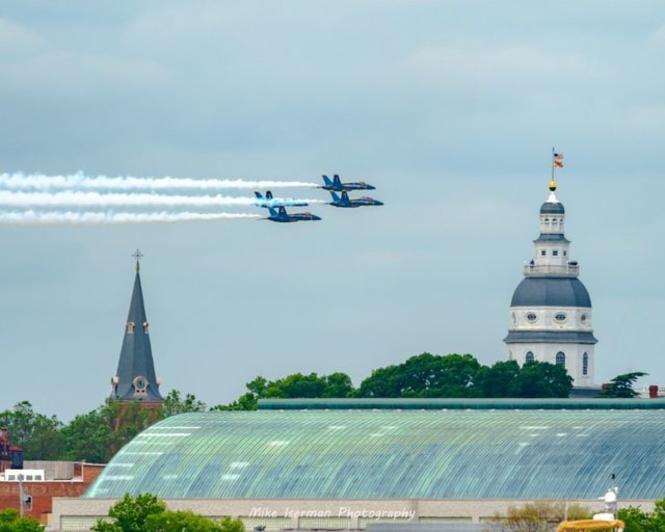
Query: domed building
{"type": "Point", "coordinates": [551, 308]}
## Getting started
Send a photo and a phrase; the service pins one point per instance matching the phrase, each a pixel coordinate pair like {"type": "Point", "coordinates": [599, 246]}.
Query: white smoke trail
{"type": "Point", "coordinates": [80, 181]}
{"type": "Point", "coordinates": [69, 217]}
{"type": "Point", "coordinates": [95, 199]}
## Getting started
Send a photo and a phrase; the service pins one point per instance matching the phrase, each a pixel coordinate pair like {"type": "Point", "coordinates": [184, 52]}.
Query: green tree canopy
{"type": "Point", "coordinates": [498, 380]}
{"type": "Point", "coordinates": [11, 522]}
{"type": "Point", "coordinates": [637, 520]}
{"type": "Point", "coordinates": [175, 404]}
{"type": "Point", "coordinates": [541, 379]}
{"type": "Point", "coordinates": [38, 435]}
{"type": "Point", "coordinates": [424, 375]}
{"type": "Point", "coordinates": [147, 513]}
{"type": "Point", "coordinates": [622, 385]}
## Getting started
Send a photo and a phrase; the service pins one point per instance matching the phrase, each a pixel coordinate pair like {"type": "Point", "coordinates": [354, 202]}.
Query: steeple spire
{"type": "Point", "coordinates": [135, 378]}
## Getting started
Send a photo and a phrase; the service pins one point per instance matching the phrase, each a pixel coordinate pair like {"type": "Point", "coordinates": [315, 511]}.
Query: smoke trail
{"type": "Point", "coordinates": [79, 181]}
{"type": "Point", "coordinates": [69, 217]}
{"type": "Point", "coordinates": [90, 199]}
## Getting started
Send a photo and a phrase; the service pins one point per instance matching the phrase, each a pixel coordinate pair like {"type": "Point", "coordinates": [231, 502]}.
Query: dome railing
{"type": "Point", "coordinates": [564, 270]}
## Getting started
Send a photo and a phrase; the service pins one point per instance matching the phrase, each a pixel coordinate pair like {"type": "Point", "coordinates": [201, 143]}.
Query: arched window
{"type": "Point", "coordinates": [561, 359]}
{"type": "Point", "coordinates": [585, 364]}
{"type": "Point", "coordinates": [528, 358]}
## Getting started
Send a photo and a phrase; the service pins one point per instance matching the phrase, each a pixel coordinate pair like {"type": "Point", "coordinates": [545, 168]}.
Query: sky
{"type": "Point", "coordinates": [450, 108]}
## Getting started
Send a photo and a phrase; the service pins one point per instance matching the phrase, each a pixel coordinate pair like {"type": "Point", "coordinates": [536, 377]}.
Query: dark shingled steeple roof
{"type": "Point", "coordinates": [135, 378]}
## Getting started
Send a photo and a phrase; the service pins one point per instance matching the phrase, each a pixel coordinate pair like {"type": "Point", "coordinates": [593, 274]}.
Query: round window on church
{"type": "Point", "coordinates": [140, 384]}
{"type": "Point", "coordinates": [560, 317]}
{"type": "Point", "coordinates": [583, 318]}
{"type": "Point", "coordinates": [531, 316]}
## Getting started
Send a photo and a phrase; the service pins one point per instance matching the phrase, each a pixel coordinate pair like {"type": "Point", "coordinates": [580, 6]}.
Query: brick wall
{"type": "Point", "coordinates": [43, 492]}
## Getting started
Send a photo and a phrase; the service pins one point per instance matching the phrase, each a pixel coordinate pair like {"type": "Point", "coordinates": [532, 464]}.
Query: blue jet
{"type": "Point", "coordinates": [280, 215]}
{"type": "Point", "coordinates": [269, 201]}
{"type": "Point", "coordinates": [348, 203]}
{"type": "Point", "coordinates": [336, 185]}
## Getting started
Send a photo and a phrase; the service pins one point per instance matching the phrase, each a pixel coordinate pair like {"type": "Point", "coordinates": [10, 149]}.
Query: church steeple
{"type": "Point", "coordinates": [135, 378]}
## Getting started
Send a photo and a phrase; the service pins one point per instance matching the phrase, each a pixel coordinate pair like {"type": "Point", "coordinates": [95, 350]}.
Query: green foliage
{"type": "Point", "coordinates": [497, 380]}
{"type": "Point", "coordinates": [540, 379]}
{"type": "Point", "coordinates": [622, 385]}
{"type": "Point", "coordinates": [38, 435]}
{"type": "Point", "coordinates": [97, 435]}
{"type": "Point", "coordinates": [638, 521]}
{"type": "Point", "coordinates": [130, 514]}
{"type": "Point", "coordinates": [424, 375]}
{"type": "Point", "coordinates": [191, 522]}
{"type": "Point", "coordinates": [174, 404]}
{"type": "Point", "coordinates": [457, 375]}
{"type": "Point", "coordinates": [247, 401]}
{"type": "Point", "coordinates": [147, 513]}
{"type": "Point", "coordinates": [11, 522]}
{"type": "Point", "coordinates": [293, 386]}
{"type": "Point", "coordinates": [540, 516]}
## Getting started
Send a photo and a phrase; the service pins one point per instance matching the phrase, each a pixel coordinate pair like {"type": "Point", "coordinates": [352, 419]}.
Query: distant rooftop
{"type": "Point", "coordinates": [462, 404]}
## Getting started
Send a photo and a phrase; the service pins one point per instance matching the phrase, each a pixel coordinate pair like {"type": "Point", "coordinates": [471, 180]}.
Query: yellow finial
{"type": "Point", "coordinates": [552, 185]}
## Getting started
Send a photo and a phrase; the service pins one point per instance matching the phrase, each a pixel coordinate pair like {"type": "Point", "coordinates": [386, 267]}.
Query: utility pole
{"type": "Point", "coordinates": [20, 492]}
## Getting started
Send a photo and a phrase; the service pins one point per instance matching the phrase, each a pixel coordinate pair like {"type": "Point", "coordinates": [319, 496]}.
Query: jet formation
{"type": "Point", "coordinates": [338, 190]}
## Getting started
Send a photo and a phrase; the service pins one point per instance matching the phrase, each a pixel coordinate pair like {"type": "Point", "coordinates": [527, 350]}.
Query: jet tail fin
{"type": "Point", "coordinates": [337, 180]}
{"type": "Point", "coordinates": [335, 197]}
{"type": "Point", "coordinates": [326, 180]}
{"type": "Point", "coordinates": [269, 195]}
{"type": "Point", "coordinates": [258, 195]}
{"type": "Point", "coordinates": [273, 211]}
{"type": "Point", "coordinates": [345, 197]}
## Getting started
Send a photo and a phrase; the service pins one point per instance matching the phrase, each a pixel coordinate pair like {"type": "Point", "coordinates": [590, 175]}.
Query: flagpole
{"type": "Point", "coordinates": [552, 163]}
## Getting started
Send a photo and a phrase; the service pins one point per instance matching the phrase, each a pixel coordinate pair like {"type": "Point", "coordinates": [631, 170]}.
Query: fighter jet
{"type": "Point", "coordinates": [348, 203]}
{"type": "Point", "coordinates": [280, 215]}
{"type": "Point", "coordinates": [337, 185]}
{"type": "Point", "coordinates": [268, 201]}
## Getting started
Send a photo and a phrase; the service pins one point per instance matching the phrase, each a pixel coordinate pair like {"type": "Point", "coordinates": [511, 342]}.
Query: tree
{"type": "Point", "coordinates": [190, 522]}
{"type": "Point", "coordinates": [425, 375]}
{"type": "Point", "coordinates": [11, 522]}
{"type": "Point", "coordinates": [130, 514]}
{"type": "Point", "coordinates": [247, 401]}
{"type": "Point", "coordinates": [541, 379]}
{"type": "Point", "coordinates": [637, 520]}
{"type": "Point", "coordinates": [147, 513]}
{"type": "Point", "coordinates": [38, 435]}
{"type": "Point", "coordinates": [497, 380]}
{"type": "Point", "coordinates": [174, 404]}
{"type": "Point", "coordinates": [97, 435]}
{"type": "Point", "coordinates": [622, 385]}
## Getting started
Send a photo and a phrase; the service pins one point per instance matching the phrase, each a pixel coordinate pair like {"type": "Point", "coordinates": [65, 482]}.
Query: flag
{"type": "Point", "coordinates": [557, 160]}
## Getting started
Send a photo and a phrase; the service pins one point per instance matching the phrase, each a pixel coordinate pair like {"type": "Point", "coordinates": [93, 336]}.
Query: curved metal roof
{"type": "Point", "coordinates": [386, 454]}
{"type": "Point", "coordinates": [551, 292]}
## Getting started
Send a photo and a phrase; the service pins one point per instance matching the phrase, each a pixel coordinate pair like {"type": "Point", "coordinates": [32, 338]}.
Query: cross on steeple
{"type": "Point", "coordinates": [138, 256]}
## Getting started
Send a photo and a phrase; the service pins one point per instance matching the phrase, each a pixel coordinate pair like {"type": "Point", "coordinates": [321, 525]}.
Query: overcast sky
{"type": "Point", "coordinates": [450, 108]}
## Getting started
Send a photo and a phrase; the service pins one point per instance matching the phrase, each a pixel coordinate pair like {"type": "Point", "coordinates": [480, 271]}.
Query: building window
{"type": "Point", "coordinates": [529, 358]}
{"type": "Point", "coordinates": [531, 317]}
{"type": "Point", "coordinates": [555, 252]}
{"type": "Point", "coordinates": [585, 364]}
{"type": "Point", "coordinates": [561, 359]}
{"type": "Point", "coordinates": [564, 253]}
{"type": "Point", "coordinates": [543, 252]}
{"type": "Point", "coordinates": [130, 327]}
{"type": "Point", "coordinates": [560, 317]}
